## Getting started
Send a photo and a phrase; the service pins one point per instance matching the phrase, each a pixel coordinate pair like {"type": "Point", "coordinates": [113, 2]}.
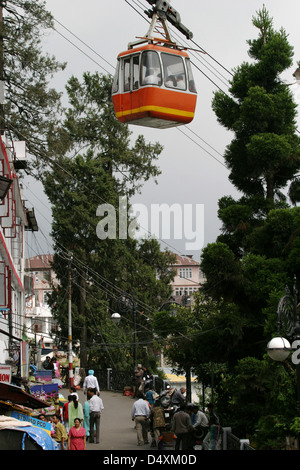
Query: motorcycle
{"type": "Point", "coordinates": [165, 400]}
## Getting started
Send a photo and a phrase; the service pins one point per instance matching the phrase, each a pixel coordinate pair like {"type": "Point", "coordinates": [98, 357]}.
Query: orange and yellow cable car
{"type": "Point", "coordinates": [154, 87]}
{"type": "Point", "coordinates": [153, 84]}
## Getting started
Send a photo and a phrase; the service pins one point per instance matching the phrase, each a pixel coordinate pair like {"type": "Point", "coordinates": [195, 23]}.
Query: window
{"type": "Point", "coordinates": [127, 74]}
{"type": "Point", "coordinates": [46, 294]}
{"type": "Point", "coordinates": [150, 69]}
{"type": "Point", "coordinates": [136, 72]}
{"type": "Point", "coordinates": [37, 325]}
{"type": "Point", "coordinates": [185, 273]}
{"type": "Point", "coordinates": [131, 69]}
{"type": "Point", "coordinates": [174, 72]}
{"type": "Point", "coordinates": [115, 86]}
{"type": "Point", "coordinates": [191, 80]}
{"type": "Point", "coordinates": [2, 284]}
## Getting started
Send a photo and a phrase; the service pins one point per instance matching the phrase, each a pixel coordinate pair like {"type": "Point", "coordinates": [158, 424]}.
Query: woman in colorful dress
{"type": "Point", "coordinates": [77, 436]}
{"type": "Point", "coordinates": [75, 410]}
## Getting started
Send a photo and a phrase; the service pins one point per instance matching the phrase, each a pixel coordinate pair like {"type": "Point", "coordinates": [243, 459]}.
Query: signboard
{"type": "Point", "coordinates": [35, 422]}
{"type": "Point", "coordinates": [5, 374]}
{"type": "Point", "coordinates": [47, 393]}
{"type": "Point", "coordinates": [43, 376]}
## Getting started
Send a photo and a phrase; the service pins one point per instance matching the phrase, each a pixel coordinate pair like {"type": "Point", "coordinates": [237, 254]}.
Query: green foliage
{"type": "Point", "coordinates": [31, 105]}
{"type": "Point", "coordinates": [264, 155]}
{"type": "Point", "coordinates": [95, 165]}
{"type": "Point", "coordinates": [257, 254]}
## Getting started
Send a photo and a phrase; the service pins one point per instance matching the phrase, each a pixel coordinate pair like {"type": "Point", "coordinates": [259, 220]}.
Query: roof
{"type": "Point", "coordinates": [185, 261]}
{"type": "Point", "coordinates": [39, 262]}
{"type": "Point", "coordinates": [18, 396]}
{"type": "Point", "coordinates": [172, 378]}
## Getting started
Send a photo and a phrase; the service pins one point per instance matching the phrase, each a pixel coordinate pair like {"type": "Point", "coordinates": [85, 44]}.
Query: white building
{"type": "Point", "coordinates": [39, 322]}
{"type": "Point", "coordinates": [188, 278]}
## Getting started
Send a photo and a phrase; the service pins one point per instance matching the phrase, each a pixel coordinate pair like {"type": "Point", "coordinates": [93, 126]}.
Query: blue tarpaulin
{"type": "Point", "coordinates": [39, 436]}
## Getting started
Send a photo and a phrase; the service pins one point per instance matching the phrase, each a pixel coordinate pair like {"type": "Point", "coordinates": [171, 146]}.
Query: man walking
{"type": "Point", "coordinates": [96, 407]}
{"type": "Point", "coordinates": [178, 398]}
{"type": "Point", "coordinates": [140, 412]}
{"type": "Point", "coordinates": [91, 382]}
{"type": "Point", "coordinates": [182, 427]}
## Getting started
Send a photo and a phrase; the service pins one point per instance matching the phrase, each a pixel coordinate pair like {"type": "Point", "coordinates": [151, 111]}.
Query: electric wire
{"type": "Point", "coordinates": [101, 66]}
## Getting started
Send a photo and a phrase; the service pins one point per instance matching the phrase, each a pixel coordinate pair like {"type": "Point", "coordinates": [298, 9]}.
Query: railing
{"type": "Point", "coordinates": [232, 442]}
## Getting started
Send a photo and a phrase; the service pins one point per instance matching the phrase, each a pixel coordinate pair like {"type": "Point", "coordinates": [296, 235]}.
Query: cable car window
{"type": "Point", "coordinates": [136, 69]}
{"type": "Point", "coordinates": [192, 86]}
{"type": "Point", "coordinates": [127, 74]}
{"type": "Point", "coordinates": [115, 85]}
{"type": "Point", "coordinates": [150, 69]}
{"type": "Point", "coordinates": [174, 71]}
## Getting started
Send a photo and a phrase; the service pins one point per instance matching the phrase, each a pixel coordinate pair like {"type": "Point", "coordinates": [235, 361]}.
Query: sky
{"type": "Point", "coordinates": [193, 174]}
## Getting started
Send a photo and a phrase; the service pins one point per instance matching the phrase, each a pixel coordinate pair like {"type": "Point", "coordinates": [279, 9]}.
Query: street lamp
{"type": "Point", "coordinates": [116, 318]}
{"type": "Point", "coordinates": [279, 348]}
{"type": "Point", "coordinates": [126, 304]}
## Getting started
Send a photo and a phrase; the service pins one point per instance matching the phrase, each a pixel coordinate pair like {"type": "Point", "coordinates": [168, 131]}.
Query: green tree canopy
{"type": "Point", "coordinates": [264, 154]}
{"type": "Point", "coordinates": [31, 105]}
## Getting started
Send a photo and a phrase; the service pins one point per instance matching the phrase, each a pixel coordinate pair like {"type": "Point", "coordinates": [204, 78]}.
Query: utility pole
{"type": "Point", "coordinates": [71, 378]}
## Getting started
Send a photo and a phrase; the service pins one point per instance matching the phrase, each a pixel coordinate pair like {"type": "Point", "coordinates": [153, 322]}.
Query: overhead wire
{"type": "Point", "coordinates": [108, 72]}
{"type": "Point", "coordinates": [67, 29]}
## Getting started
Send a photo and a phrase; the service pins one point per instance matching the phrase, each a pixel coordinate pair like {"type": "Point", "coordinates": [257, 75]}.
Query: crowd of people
{"type": "Point", "coordinates": [78, 423]}
{"type": "Point", "coordinates": [188, 426]}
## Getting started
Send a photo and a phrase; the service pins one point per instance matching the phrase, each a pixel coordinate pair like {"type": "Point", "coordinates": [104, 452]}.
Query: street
{"type": "Point", "coordinates": [116, 427]}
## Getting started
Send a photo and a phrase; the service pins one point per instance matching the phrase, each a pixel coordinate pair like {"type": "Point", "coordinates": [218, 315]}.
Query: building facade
{"type": "Point", "coordinates": [39, 323]}
{"type": "Point", "coordinates": [187, 280]}
{"type": "Point", "coordinates": [15, 219]}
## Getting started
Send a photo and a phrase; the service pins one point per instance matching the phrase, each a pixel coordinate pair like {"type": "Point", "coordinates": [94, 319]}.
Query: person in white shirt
{"type": "Point", "coordinates": [201, 418]}
{"type": "Point", "coordinates": [140, 412]}
{"type": "Point", "coordinates": [96, 408]}
{"type": "Point", "coordinates": [91, 382]}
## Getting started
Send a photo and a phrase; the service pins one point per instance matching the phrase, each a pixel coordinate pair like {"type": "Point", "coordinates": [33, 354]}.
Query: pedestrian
{"type": "Point", "coordinates": [77, 436]}
{"type": "Point", "coordinates": [66, 414]}
{"type": "Point", "coordinates": [96, 408]}
{"type": "Point", "coordinates": [75, 410]}
{"type": "Point", "coordinates": [60, 434]}
{"type": "Point", "coordinates": [178, 397]}
{"type": "Point", "coordinates": [74, 392]}
{"type": "Point", "coordinates": [138, 377]}
{"type": "Point", "coordinates": [200, 418]}
{"type": "Point", "coordinates": [213, 437]}
{"type": "Point", "coordinates": [182, 427]}
{"type": "Point", "coordinates": [86, 420]}
{"type": "Point", "coordinates": [140, 412]}
{"type": "Point", "coordinates": [213, 418]}
{"type": "Point", "coordinates": [157, 422]}
{"type": "Point", "coordinates": [150, 396]}
{"type": "Point", "coordinates": [90, 381]}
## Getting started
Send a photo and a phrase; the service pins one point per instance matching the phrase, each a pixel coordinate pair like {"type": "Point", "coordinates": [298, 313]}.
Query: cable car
{"type": "Point", "coordinates": [153, 84]}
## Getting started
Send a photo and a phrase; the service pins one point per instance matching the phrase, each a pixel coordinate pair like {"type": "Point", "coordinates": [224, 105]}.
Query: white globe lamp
{"type": "Point", "coordinates": [278, 348]}
{"type": "Point", "coordinates": [116, 318]}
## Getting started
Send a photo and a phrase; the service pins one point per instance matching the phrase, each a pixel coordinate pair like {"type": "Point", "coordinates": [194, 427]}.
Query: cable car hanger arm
{"type": "Point", "coordinates": [166, 12]}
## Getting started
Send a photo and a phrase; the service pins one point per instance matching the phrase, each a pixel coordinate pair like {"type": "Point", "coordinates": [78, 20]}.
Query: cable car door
{"type": "Point", "coordinates": [131, 83]}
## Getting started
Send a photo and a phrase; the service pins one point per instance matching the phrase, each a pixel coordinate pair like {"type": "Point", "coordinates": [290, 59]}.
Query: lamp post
{"type": "Point", "coordinates": [126, 304]}
{"type": "Point", "coordinates": [279, 348]}
{"type": "Point", "coordinates": [170, 306]}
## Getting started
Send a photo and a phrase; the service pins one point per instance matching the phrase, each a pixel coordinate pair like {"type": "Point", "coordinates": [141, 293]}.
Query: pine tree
{"type": "Point", "coordinates": [30, 104]}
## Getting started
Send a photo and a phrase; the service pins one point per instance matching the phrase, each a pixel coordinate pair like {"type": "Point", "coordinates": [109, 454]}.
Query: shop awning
{"type": "Point", "coordinates": [16, 395]}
